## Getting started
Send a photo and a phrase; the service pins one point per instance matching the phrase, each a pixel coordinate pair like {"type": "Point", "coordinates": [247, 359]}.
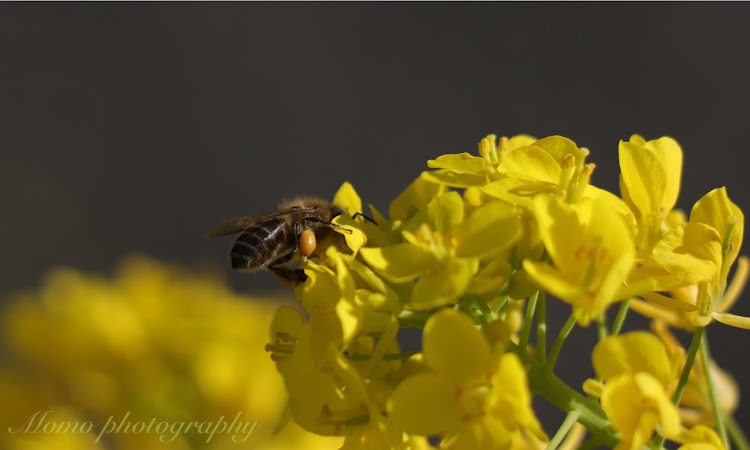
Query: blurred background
{"type": "Point", "coordinates": [137, 127]}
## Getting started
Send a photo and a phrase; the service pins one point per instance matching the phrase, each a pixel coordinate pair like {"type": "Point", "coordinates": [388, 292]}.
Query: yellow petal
{"type": "Point", "coordinates": [357, 238]}
{"type": "Point", "coordinates": [715, 209]}
{"type": "Point", "coordinates": [446, 211]}
{"type": "Point", "coordinates": [348, 198]}
{"type": "Point", "coordinates": [692, 251]}
{"type": "Point", "coordinates": [637, 351]}
{"type": "Point", "coordinates": [444, 285]}
{"type": "Point", "coordinates": [732, 320]}
{"type": "Point", "coordinates": [668, 151]}
{"type": "Point", "coordinates": [491, 278]}
{"type": "Point", "coordinates": [425, 404]}
{"type": "Point", "coordinates": [415, 197]}
{"type": "Point", "coordinates": [644, 176]}
{"type": "Point", "coordinates": [444, 177]}
{"type": "Point", "coordinates": [552, 280]}
{"type": "Point", "coordinates": [636, 404]}
{"type": "Point", "coordinates": [398, 263]}
{"type": "Point", "coordinates": [520, 140]}
{"type": "Point", "coordinates": [487, 231]}
{"type": "Point", "coordinates": [320, 291]}
{"type": "Point", "coordinates": [558, 147]}
{"type": "Point", "coordinates": [512, 398]}
{"type": "Point", "coordinates": [453, 345]}
{"type": "Point", "coordinates": [654, 391]}
{"type": "Point", "coordinates": [518, 191]}
{"type": "Point", "coordinates": [561, 228]}
{"type": "Point", "coordinates": [487, 433]}
{"type": "Point", "coordinates": [287, 321]}
{"type": "Point", "coordinates": [462, 163]}
{"type": "Point", "coordinates": [531, 162]}
{"type": "Point", "coordinates": [700, 437]}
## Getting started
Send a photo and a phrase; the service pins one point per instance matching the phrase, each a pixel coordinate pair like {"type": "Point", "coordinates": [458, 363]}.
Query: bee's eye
{"type": "Point", "coordinates": [307, 243]}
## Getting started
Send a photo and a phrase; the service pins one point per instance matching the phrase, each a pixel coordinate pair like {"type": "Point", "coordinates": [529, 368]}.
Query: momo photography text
{"type": "Point", "coordinates": [166, 431]}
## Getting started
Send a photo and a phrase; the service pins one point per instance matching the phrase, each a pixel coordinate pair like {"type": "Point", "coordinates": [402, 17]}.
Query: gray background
{"type": "Point", "coordinates": [137, 127]}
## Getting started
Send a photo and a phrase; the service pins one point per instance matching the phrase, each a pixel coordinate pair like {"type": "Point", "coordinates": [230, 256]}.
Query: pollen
{"type": "Point", "coordinates": [307, 243]}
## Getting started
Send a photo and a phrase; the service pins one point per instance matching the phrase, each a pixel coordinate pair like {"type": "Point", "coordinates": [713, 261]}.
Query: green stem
{"type": "Point", "coordinates": [738, 436]}
{"type": "Point", "coordinates": [526, 330]}
{"type": "Point", "coordinates": [541, 328]}
{"type": "Point", "coordinates": [620, 318]}
{"type": "Point", "coordinates": [500, 303]}
{"type": "Point", "coordinates": [712, 392]}
{"type": "Point", "coordinates": [694, 345]}
{"type": "Point", "coordinates": [557, 346]}
{"type": "Point", "coordinates": [545, 383]}
{"type": "Point", "coordinates": [567, 424]}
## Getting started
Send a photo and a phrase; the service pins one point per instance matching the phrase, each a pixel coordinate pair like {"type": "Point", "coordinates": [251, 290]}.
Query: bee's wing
{"type": "Point", "coordinates": [238, 224]}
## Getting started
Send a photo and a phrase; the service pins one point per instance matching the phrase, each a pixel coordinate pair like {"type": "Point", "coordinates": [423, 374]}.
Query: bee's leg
{"type": "Point", "coordinates": [297, 230]}
{"type": "Point", "coordinates": [288, 277]}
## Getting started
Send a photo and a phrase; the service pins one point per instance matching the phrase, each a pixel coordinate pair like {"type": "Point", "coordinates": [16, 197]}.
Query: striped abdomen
{"type": "Point", "coordinates": [261, 244]}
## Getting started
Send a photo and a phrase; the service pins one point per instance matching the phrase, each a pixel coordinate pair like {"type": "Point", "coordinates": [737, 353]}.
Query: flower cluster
{"type": "Point", "coordinates": [469, 253]}
{"type": "Point", "coordinates": [155, 341]}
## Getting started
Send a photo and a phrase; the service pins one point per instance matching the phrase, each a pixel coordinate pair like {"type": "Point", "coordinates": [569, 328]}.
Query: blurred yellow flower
{"type": "Point", "coordinates": [155, 342]}
{"type": "Point", "coordinates": [638, 377]}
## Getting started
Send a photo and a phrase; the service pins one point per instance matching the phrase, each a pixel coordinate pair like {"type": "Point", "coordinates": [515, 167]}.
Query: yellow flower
{"type": "Point", "coordinates": [637, 376]}
{"type": "Point", "coordinates": [700, 438]}
{"type": "Point", "coordinates": [156, 340]}
{"type": "Point", "coordinates": [699, 253]}
{"type": "Point", "coordinates": [472, 393]}
{"type": "Point", "coordinates": [337, 393]}
{"type": "Point", "coordinates": [466, 171]}
{"type": "Point", "coordinates": [443, 250]}
{"type": "Point", "coordinates": [548, 166]}
{"type": "Point", "coordinates": [592, 252]}
{"type": "Point", "coordinates": [326, 393]}
{"type": "Point", "coordinates": [650, 183]}
{"type": "Point", "coordinates": [345, 299]}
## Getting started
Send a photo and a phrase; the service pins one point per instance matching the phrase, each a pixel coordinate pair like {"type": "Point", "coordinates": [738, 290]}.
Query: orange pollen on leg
{"type": "Point", "coordinates": [307, 243]}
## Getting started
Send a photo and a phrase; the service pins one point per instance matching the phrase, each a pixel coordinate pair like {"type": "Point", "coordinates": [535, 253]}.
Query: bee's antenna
{"type": "Point", "coordinates": [366, 217]}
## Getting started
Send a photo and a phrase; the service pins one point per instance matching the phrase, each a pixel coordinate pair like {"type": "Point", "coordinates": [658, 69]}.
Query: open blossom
{"type": "Point", "coordinates": [637, 379]}
{"type": "Point", "coordinates": [650, 183]}
{"type": "Point", "coordinates": [700, 253]}
{"type": "Point", "coordinates": [444, 249]}
{"type": "Point", "coordinates": [591, 250]}
{"type": "Point", "coordinates": [471, 393]}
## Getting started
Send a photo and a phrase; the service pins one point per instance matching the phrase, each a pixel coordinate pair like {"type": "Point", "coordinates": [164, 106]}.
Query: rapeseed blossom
{"type": "Point", "coordinates": [468, 243]}
{"type": "Point", "coordinates": [155, 340]}
{"type": "Point", "coordinates": [471, 252]}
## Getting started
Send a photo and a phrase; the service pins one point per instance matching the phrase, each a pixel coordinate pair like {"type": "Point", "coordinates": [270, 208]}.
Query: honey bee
{"type": "Point", "coordinates": [273, 240]}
